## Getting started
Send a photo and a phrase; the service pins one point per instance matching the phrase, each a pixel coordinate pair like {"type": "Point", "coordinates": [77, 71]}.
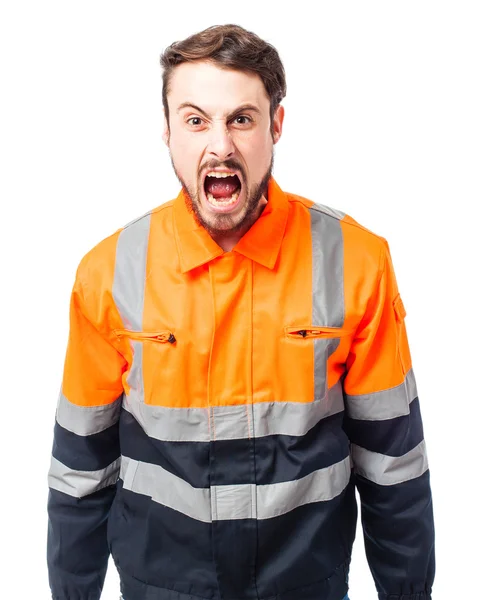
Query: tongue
{"type": "Point", "coordinates": [222, 188]}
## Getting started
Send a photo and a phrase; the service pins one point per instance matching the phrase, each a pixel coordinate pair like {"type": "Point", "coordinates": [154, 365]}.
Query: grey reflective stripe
{"type": "Point", "coordinates": [328, 269]}
{"type": "Point", "coordinates": [231, 422]}
{"type": "Point", "coordinates": [230, 502]}
{"type": "Point", "coordinates": [130, 272]}
{"type": "Point", "coordinates": [327, 210]}
{"type": "Point", "coordinates": [323, 484]}
{"type": "Point", "coordinates": [166, 489]}
{"type": "Point", "coordinates": [295, 418]}
{"type": "Point", "coordinates": [86, 420]}
{"type": "Point", "coordinates": [386, 404]}
{"type": "Point", "coordinates": [389, 470]}
{"type": "Point", "coordinates": [129, 290]}
{"type": "Point", "coordinates": [135, 375]}
{"type": "Point", "coordinates": [81, 483]}
{"type": "Point", "coordinates": [328, 284]}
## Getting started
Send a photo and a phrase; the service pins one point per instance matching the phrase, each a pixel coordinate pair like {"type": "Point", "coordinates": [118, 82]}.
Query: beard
{"type": "Point", "coordinates": [218, 224]}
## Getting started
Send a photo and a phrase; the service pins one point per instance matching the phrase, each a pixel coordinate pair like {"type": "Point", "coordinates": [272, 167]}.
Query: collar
{"type": "Point", "coordinates": [260, 243]}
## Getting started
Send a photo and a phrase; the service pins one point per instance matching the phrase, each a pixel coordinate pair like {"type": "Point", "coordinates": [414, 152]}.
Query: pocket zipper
{"type": "Point", "coordinates": [316, 332]}
{"type": "Point", "coordinates": [141, 336]}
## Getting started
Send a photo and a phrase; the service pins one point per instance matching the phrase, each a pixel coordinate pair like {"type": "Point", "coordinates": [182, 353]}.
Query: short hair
{"type": "Point", "coordinates": [229, 47]}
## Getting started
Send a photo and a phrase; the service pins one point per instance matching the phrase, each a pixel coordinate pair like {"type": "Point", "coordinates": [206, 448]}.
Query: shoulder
{"type": "Point", "coordinates": [100, 260]}
{"type": "Point", "coordinates": [357, 238]}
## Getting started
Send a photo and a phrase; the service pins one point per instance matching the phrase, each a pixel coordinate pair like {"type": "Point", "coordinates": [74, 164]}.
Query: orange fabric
{"type": "Point", "coordinates": [374, 361]}
{"type": "Point", "coordinates": [93, 368]}
{"type": "Point", "coordinates": [231, 315]}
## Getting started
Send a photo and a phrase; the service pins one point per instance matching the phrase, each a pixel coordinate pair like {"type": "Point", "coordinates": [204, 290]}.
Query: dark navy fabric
{"type": "Point", "coordinates": [289, 545]}
{"type": "Point", "coordinates": [276, 457]}
{"type": "Point", "coordinates": [244, 558]}
{"type": "Point", "coordinates": [86, 452]}
{"type": "Point", "coordinates": [187, 460]}
{"type": "Point", "coordinates": [398, 522]}
{"type": "Point", "coordinates": [287, 458]}
{"type": "Point", "coordinates": [162, 546]}
{"type": "Point", "coordinates": [78, 522]}
{"type": "Point", "coordinates": [393, 437]}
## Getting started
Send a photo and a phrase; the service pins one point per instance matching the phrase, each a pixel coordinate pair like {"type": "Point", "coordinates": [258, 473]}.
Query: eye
{"type": "Point", "coordinates": [243, 120]}
{"type": "Point", "coordinates": [194, 121]}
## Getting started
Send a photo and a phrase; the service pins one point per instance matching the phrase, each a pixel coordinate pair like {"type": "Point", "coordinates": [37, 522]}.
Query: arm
{"type": "Point", "coordinates": [383, 422]}
{"type": "Point", "coordinates": [86, 456]}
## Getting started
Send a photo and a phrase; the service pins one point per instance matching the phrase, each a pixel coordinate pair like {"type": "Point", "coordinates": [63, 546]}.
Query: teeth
{"type": "Point", "coordinates": [219, 175]}
{"type": "Point", "coordinates": [229, 202]}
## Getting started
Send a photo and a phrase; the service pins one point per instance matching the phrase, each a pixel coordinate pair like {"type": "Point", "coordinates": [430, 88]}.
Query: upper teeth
{"type": "Point", "coordinates": [219, 174]}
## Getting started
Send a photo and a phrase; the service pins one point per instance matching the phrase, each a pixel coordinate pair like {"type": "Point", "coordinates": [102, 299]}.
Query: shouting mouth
{"type": "Point", "coordinates": [222, 190]}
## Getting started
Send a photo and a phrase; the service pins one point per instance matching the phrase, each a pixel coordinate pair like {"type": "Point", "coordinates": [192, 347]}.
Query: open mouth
{"type": "Point", "coordinates": [222, 190]}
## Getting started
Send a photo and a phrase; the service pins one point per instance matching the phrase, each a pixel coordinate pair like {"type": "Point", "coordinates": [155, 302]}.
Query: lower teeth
{"type": "Point", "coordinates": [227, 202]}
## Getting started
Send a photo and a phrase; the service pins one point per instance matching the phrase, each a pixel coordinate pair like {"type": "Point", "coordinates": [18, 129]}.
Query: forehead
{"type": "Point", "coordinates": [215, 89]}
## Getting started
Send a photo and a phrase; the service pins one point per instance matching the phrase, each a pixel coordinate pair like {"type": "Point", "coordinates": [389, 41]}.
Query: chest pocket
{"type": "Point", "coordinates": [325, 341]}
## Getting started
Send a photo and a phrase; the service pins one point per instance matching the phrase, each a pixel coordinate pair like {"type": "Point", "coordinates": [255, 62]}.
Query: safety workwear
{"type": "Point", "coordinates": [218, 410]}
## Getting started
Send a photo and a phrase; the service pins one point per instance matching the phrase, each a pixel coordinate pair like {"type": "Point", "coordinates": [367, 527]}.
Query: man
{"type": "Point", "coordinates": [237, 365]}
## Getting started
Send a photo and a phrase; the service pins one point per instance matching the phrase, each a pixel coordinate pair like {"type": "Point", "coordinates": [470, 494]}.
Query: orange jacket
{"type": "Point", "coordinates": [218, 410]}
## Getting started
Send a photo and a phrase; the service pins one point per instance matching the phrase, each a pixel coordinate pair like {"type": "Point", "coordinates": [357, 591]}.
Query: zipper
{"type": "Point", "coordinates": [161, 337]}
{"type": "Point", "coordinates": [316, 332]}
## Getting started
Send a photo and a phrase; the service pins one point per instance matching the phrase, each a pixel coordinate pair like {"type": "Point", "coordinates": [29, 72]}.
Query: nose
{"type": "Point", "coordinates": [220, 144]}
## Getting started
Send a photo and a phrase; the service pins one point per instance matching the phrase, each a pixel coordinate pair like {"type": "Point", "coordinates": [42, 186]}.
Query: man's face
{"type": "Point", "coordinates": [221, 143]}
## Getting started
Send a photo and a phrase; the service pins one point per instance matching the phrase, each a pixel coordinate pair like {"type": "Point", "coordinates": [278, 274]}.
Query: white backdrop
{"type": "Point", "coordinates": [381, 122]}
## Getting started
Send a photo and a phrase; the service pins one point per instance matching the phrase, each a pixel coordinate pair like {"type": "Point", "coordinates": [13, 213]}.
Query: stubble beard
{"type": "Point", "coordinates": [217, 225]}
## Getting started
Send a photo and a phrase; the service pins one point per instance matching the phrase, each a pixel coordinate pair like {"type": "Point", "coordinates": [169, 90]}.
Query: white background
{"type": "Point", "coordinates": [381, 122]}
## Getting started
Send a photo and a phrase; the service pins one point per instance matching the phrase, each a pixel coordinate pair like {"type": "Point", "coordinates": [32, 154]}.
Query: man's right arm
{"type": "Point", "coordinates": [86, 453]}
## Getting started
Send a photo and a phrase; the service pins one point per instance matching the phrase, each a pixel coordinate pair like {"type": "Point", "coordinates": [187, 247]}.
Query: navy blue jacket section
{"type": "Point", "coordinates": [393, 437]}
{"type": "Point", "coordinates": [86, 453]}
{"type": "Point", "coordinates": [276, 457]}
{"type": "Point", "coordinates": [78, 522]}
{"type": "Point", "coordinates": [397, 522]}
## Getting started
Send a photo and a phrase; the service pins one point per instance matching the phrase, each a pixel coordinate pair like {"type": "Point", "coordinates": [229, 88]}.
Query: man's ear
{"type": "Point", "coordinates": [278, 123]}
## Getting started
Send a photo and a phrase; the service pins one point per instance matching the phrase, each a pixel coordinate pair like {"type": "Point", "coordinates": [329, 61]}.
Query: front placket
{"type": "Point", "coordinates": [232, 448]}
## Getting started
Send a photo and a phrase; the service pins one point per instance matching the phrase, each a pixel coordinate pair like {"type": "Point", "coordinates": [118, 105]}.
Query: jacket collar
{"type": "Point", "coordinates": [261, 243]}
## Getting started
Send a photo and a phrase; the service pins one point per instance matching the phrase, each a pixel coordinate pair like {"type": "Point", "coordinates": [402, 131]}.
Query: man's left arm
{"type": "Point", "coordinates": [384, 425]}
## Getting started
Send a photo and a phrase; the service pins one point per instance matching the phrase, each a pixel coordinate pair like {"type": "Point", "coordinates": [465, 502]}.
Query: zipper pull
{"type": "Point", "coordinates": [171, 339]}
{"type": "Point", "coordinates": [303, 332]}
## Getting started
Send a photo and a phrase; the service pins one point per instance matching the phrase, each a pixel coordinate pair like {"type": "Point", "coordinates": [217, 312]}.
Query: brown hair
{"type": "Point", "coordinates": [231, 47]}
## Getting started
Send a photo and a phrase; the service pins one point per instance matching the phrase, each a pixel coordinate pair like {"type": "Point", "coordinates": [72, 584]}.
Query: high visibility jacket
{"type": "Point", "coordinates": [218, 410]}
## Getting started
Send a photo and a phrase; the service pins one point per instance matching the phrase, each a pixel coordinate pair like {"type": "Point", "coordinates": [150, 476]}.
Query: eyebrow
{"type": "Point", "coordinates": [242, 108]}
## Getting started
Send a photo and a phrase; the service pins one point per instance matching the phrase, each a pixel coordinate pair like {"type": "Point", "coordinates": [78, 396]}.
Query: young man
{"type": "Point", "coordinates": [237, 364]}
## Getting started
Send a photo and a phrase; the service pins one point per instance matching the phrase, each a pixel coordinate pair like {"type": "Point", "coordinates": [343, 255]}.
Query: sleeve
{"type": "Point", "coordinates": [384, 425]}
{"type": "Point", "coordinates": [85, 459]}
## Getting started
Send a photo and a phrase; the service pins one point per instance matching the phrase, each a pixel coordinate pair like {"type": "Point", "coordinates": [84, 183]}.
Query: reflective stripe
{"type": "Point", "coordinates": [327, 210]}
{"type": "Point", "coordinates": [328, 282]}
{"type": "Point", "coordinates": [129, 289]}
{"type": "Point", "coordinates": [328, 270]}
{"type": "Point", "coordinates": [81, 483]}
{"type": "Point", "coordinates": [130, 272]}
{"type": "Point", "coordinates": [386, 404]}
{"type": "Point", "coordinates": [231, 422]}
{"type": "Point", "coordinates": [323, 484]}
{"type": "Point", "coordinates": [86, 420]}
{"type": "Point", "coordinates": [230, 502]}
{"type": "Point", "coordinates": [389, 470]}
{"type": "Point", "coordinates": [166, 489]}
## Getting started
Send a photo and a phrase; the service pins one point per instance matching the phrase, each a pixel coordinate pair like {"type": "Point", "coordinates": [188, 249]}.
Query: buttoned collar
{"type": "Point", "coordinates": [260, 243]}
